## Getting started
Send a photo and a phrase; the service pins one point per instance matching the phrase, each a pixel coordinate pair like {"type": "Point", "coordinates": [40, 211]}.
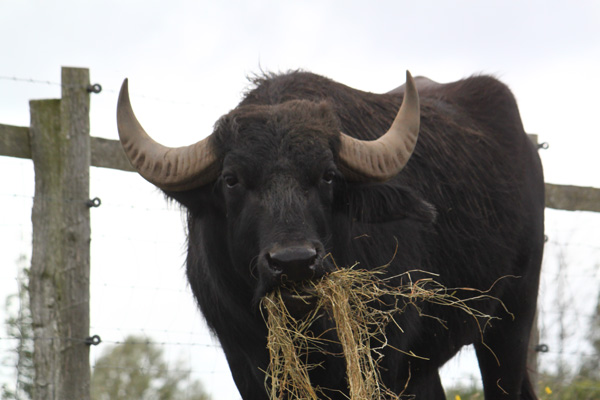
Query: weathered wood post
{"type": "Point", "coordinates": [534, 335]}
{"type": "Point", "coordinates": [532, 354]}
{"type": "Point", "coordinates": [60, 262]}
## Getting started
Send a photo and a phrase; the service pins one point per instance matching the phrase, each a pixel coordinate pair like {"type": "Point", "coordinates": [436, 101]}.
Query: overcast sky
{"type": "Point", "coordinates": [195, 56]}
{"type": "Point", "coordinates": [188, 61]}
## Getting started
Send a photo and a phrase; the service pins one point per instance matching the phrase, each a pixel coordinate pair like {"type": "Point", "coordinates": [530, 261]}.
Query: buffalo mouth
{"type": "Point", "coordinates": [299, 299]}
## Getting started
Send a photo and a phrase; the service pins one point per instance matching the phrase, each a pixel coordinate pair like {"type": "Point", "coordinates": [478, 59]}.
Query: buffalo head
{"type": "Point", "coordinates": [272, 172]}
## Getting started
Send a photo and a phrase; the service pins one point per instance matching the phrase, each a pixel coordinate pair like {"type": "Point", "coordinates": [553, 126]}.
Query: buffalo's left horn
{"type": "Point", "coordinates": [172, 169]}
{"type": "Point", "coordinates": [381, 159]}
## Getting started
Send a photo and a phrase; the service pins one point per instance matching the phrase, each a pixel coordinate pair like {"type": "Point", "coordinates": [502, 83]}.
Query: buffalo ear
{"type": "Point", "coordinates": [382, 202]}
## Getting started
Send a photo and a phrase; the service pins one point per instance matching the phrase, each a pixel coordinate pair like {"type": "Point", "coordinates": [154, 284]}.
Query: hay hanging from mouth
{"type": "Point", "coordinates": [350, 297]}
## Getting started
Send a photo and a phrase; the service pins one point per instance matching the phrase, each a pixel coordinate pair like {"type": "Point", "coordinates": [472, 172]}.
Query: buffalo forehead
{"type": "Point", "coordinates": [296, 137]}
{"type": "Point", "coordinates": [264, 159]}
{"type": "Point", "coordinates": [293, 123]}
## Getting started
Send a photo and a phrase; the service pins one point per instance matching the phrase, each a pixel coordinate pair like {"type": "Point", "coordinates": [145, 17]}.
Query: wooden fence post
{"type": "Point", "coordinates": [532, 354]}
{"type": "Point", "coordinates": [60, 262]}
{"type": "Point", "coordinates": [534, 334]}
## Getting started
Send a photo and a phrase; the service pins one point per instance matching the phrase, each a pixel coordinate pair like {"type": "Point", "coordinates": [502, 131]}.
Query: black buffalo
{"type": "Point", "coordinates": [301, 173]}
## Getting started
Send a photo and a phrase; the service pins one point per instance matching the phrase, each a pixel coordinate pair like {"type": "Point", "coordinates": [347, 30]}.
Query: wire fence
{"type": "Point", "coordinates": [98, 88]}
{"type": "Point", "coordinates": [138, 284]}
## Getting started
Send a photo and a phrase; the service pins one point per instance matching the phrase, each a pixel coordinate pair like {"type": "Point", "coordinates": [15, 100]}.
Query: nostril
{"type": "Point", "coordinates": [290, 256]}
{"type": "Point", "coordinates": [295, 262]}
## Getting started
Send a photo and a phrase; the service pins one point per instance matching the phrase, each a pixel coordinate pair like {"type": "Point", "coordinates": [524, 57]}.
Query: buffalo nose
{"type": "Point", "coordinates": [295, 263]}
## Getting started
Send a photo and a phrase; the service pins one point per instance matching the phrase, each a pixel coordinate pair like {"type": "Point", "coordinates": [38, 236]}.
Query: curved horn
{"type": "Point", "coordinates": [173, 169]}
{"type": "Point", "coordinates": [382, 159]}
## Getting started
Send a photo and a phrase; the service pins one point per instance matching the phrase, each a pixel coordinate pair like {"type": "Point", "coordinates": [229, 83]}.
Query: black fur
{"type": "Point", "coordinates": [468, 206]}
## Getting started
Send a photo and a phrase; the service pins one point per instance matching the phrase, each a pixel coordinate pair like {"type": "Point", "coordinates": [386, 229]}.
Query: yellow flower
{"type": "Point", "coordinates": [548, 390]}
{"type": "Point", "coordinates": [457, 397]}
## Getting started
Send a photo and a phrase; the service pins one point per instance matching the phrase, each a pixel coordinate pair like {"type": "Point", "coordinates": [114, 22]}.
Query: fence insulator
{"type": "Point", "coordinates": [95, 202]}
{"type": "Point", "coordinates": [543, 146]}
{"type": "Point", "coordinates": [95, 88]}
{"type": "Point", "coordinates": [542, 348]}
{"type": "Point", "coordinates": [93, 340]}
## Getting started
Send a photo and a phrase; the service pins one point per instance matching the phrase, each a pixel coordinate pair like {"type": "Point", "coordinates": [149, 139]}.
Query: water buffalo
{"type": "Point", "coordinates": [306, 170]}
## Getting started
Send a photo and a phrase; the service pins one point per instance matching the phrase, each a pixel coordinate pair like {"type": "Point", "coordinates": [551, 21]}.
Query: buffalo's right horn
{"type": "Point", "coordinates": [381, 159]}
{"type": "Point", "coordinates": [172, 169]}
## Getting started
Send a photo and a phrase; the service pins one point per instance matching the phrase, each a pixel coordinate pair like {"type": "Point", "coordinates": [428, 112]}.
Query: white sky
{"type": "Point", "coordinates": [195, 56]}
{"type": "Point", "coordinates": [188, 61]}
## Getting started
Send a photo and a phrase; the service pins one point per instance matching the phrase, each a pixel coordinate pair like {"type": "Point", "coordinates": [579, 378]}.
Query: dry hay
{"type": "Point", "coordinates": [349, 297]}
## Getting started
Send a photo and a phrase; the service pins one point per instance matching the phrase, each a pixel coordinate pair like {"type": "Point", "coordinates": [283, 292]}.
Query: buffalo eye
{"type": "Point", "coordinates": [230, 180]}
{"type": "Point", "coordinates": [328, 176]}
